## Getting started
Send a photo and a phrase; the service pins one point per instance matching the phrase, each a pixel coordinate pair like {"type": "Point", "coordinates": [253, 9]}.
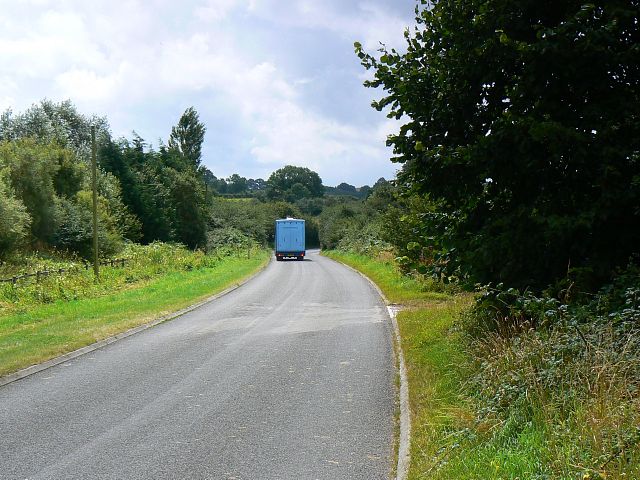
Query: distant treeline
{"type": "Point", "coordinates": [237, 186]}
{"type": "Point", "coordinates": [146, 193]}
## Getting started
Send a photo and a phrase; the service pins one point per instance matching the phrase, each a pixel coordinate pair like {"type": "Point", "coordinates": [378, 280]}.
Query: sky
{"type": "Point", "coordinates": [276, 82]}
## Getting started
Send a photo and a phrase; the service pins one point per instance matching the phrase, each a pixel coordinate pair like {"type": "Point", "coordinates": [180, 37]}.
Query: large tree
{"type": "Point", "coordinates": [187, 137]}
{"type": "Point", "coordinates": [291, 183]}
{"type": "Point", "coordinates": [49, 122]}
{"type": "Point", "coordinates": [236, 184]}
{"type": "Point", "coordinates": [522, 126]}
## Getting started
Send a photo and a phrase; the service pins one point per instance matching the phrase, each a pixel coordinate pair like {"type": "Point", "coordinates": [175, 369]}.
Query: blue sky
{"type": "Point", "coordinates": [276, 82]}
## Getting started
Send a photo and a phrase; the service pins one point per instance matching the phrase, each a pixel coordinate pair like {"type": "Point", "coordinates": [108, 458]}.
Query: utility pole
{"type": "Point", "coordinates": [94, 181]}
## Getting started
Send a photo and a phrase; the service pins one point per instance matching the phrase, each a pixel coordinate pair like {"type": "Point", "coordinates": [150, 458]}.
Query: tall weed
{"type": "Point", "coordinates": [570, 371]}
{"type": "Point", "coordinates": [145, 262]}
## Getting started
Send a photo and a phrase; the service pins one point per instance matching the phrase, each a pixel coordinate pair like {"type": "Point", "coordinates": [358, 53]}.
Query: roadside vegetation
{"type": "Point", "coordinates": [518, 184]}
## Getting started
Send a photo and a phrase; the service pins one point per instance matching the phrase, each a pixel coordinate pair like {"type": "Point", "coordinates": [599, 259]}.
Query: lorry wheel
{"type": "Point", "coordinates": [300, 258]}
{"type": "Point", "coordinates": [278, 259]}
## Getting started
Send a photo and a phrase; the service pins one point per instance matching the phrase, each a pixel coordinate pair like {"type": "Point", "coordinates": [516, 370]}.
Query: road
{"type": "Point", "coordinates": [290, 376]}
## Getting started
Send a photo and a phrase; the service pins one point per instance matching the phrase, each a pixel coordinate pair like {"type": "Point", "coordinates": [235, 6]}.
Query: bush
{"type": "Point", "coordinates": [228, 237]}
{"type": "Point", "coordinates": [364, 240]}
{"type": "Point", "coordinates": [572, 371]}
{"type": "Point", "coordinates": [144, 263]}
{"type": "Point", "coordinates": [14, 220]}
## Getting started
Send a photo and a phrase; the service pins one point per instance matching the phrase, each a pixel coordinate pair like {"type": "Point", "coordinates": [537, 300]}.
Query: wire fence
{"type": "Point", "coordinates": [41, 274]}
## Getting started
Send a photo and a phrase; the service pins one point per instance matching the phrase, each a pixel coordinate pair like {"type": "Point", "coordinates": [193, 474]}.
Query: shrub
{"type": "Point", "coordinates": [14, 220]}
{"type": "Point", "coordinates": [571, 370]}
{"type": "Point", "coordinates": [144, 262]}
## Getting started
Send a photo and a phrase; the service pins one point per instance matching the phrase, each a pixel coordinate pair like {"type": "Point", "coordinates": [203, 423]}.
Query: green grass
{"type": "Point", "coordinates": [37, 333]}
{"type": "Point", "coordinates": [436, 366]}
{"type": "Point", "coordinates": [434, 357]}
{"type": "Point", "coordinates": [397, 288]}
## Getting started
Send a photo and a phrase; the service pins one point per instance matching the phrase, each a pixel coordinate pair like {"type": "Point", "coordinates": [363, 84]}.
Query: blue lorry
{"type": "Point", "coordinates": [290, 241]}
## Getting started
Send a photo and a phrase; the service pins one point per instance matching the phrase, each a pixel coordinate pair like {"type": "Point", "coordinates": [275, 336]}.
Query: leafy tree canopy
{"type": "Point", "coordinates": [345, 187]}
{"type": "Point", "coordinates": [14, 219]}
{"type": "Point", "coordinates": [292, 183]}
{"type": "Point", "coordinates": [236, 184]}
{"type": "Point", "coordinates": [50, 122]}
{"type": "Point", "coordinates": [522, 127]}
{"type": "Point", "coordinates": [187, 137]}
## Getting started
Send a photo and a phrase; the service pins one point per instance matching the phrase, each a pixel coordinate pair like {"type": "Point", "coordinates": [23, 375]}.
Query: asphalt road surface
{"type": "Point", "coordinates": [289, 377]}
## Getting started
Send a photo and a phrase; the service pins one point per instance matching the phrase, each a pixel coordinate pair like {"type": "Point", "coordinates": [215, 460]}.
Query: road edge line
{"type": "Point", "coordinates": [25, 372]}
{"type": "Point", "coordinates": [404, 442]}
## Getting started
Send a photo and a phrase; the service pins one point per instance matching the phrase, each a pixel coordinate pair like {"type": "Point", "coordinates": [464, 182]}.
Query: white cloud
{"type": "Point", "coordinates": [87, 86]}
{"type": "Point", "coordinates": [121, 58]}
{"type": "Point", "coordinates": [367, 23]}
{"type": "Point", "coordinates": [216, 10]}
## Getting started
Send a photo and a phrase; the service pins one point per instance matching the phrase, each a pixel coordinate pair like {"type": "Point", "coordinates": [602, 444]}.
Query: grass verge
{"type": "Point", "coordinates": [33, 334]}
{"type": "Point", "coordinates": [398, 288]}
{"type": "Point", "coordinates": [435, 360]}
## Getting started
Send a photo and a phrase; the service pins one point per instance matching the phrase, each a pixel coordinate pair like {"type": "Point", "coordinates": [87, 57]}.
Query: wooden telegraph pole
{"type": "Point", "coordinates": [94, 181]}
